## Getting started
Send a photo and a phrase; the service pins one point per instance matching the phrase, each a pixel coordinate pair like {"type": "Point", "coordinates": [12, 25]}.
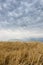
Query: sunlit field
{"type": "Point", "coordinates": [21, 53]}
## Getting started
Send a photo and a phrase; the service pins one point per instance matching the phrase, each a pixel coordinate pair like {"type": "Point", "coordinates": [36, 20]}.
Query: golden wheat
{"type": "Point", "coordinates": [21, 53]}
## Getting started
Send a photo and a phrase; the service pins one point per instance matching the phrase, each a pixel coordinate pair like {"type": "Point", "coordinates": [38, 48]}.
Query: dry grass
{"type": "Point", "coordinates": [21, 53]}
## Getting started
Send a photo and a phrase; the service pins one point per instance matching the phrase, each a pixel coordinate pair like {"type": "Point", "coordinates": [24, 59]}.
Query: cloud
{"type": "Point", "coordinates": [29, 13]}
{"type": "Point", "coordinates": [19, 34]}
{"type": "Point", "coordinates": [21, 14]}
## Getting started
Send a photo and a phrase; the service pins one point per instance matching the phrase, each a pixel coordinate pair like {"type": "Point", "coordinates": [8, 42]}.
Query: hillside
{"type": "Point", "coordinates": [21, 53]}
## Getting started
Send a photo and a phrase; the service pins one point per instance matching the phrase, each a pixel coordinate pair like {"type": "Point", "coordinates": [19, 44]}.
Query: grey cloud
{"type": "Point", "coordinates": [21, 14]}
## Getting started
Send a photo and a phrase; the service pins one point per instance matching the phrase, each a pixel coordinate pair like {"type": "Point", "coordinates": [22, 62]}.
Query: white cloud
{"type": "Point", "coordinates": [19, 34]}
{"type": "Point", "coordinates": [14, 14]}
{"type": "Point", "coordinates": [5, 5]}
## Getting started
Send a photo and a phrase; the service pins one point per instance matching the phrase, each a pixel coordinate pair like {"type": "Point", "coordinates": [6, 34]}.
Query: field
{"type": "Point", "coordinates": [21, 53]}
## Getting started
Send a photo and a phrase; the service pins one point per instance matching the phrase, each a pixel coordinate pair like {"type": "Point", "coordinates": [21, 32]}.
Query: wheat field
{"type": "Point", "coordinates": [21, 53]}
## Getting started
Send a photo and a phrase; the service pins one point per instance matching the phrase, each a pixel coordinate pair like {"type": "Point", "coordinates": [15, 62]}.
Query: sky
{"type": "Point", "coordinates": [20, 19]}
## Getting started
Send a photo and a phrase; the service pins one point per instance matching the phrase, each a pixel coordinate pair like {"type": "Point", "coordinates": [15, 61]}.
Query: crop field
{"type": "Point", "coordinates": [21, 53]}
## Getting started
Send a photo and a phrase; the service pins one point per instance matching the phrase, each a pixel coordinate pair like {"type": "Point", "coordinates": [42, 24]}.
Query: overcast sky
{"type": "Point", "coordinates": [21, 19]}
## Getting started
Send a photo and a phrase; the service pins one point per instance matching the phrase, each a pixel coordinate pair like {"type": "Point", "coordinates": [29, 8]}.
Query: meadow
{"type": "Point", "coordinates": [21, 53]}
